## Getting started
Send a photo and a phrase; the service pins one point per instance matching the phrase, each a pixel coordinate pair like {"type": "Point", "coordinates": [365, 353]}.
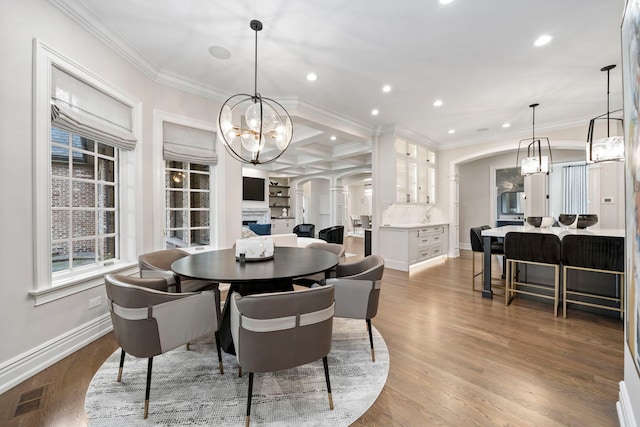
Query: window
{"type": "Point", "coordinates": [85, 135]}
{"type": "Point", "coordinates": [188, 196]}
{"type": "Point", "coordinates": [83, 202]}
{"type": "Point", "coordinates": [189, 158]}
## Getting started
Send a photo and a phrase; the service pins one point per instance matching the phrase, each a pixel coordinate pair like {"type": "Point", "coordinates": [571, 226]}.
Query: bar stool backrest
{"type": "Point", "coordinates": [596, 252]}
{"type": "Point", "coordinates": [533, 247]}
{"type": "Point", "coordinates": [476, 239]}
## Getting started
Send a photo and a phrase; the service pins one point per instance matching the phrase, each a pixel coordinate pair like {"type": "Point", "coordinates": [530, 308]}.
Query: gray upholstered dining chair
{"type": "Point", "coordinates": [282, 330]}
{"type": "Point", "coordinates": [365, 220]}
{"type": "Point", "coordinates": [158, 264]}
{"type": "Point", "coordinates": [334, 248]}
{"type": "Point", "coordinates": [148, 322]}
{"type": "Point", "coordinates": [358, 290]}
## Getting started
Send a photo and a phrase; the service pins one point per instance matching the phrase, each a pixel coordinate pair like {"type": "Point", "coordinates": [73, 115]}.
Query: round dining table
{"type": "Point", "coordinates": [253, 276]}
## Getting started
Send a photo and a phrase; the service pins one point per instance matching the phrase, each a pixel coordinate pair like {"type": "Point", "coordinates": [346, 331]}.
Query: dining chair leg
{"type": "Point", "coordinates": [239, 371]}
{"type": "Point", "coordinates": [373, 353]}
{"type": "Point", "coordinates": [148, 389]}
{"type": "Point", "coordinates": [326, 376]}
{"type": "Point", "coordinates": [122, 353]}
{"type": "Point", "coordinates": [217, 337]}
{"type": "Point", "coordinates": [247, 419]}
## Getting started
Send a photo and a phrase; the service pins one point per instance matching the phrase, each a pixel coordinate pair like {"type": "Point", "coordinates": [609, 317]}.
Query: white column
{"type": "Point", "coordinates": [454, 212]}
{"type": "Point", "coordinates": [299, 195]}
{"type": "Point", "coordinates": [337, 201]}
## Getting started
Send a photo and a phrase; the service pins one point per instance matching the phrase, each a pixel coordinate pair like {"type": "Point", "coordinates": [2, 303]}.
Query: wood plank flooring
{"type": "Point", "coordinates": [456, 359]}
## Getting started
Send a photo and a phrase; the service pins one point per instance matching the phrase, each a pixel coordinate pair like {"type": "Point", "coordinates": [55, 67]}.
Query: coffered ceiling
{"type": "Point", "coordinates": [476, 56]}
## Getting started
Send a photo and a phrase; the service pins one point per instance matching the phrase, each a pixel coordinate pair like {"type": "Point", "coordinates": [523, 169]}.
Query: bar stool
{"type": "Point", "coordinates": [477, 246]}
{"type": "Point", "coordinates": [532, 249]}
{"type": "Point", "coordinates": [600, 254]}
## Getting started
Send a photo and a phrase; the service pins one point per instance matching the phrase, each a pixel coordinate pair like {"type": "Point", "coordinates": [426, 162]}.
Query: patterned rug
{"type": "Point", "coordinates": [187, 389]}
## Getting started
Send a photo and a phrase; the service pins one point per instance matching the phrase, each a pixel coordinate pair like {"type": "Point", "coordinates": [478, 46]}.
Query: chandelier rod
{"type": "Point", "coordinates": [255, 26]}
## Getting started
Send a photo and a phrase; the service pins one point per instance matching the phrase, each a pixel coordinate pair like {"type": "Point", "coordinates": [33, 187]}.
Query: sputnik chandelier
{"type": "Point", "coordinates": [254, 129]}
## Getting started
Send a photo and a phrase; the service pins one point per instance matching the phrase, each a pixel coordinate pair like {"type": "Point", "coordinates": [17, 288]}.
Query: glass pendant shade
{"type": "Point", "coordinates": [609, 148]}
{"type": "Point", "coordinates": [533, 165]}
{"type": "Point", "coordinates": [606, 149]}
{"type": "Point", "coordinates": [254, 129]}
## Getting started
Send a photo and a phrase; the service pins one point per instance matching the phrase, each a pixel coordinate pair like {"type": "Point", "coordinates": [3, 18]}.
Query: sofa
{"type": "Point", "coordinates": [285, 239]}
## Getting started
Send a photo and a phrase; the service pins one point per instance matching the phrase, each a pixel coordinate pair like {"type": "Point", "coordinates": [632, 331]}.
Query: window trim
{"type": "Point", "coordinates": [45, 289]}
{"type": "Point", "coordinates": [159, 169]}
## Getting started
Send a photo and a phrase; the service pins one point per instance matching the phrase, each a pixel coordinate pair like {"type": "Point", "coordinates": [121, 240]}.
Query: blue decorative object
{"type": "Point", "coordinates": [260, 229]}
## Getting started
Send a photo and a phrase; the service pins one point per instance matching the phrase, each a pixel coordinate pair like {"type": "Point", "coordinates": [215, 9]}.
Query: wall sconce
{"type": "Point", "coordinates": [535, 162]}
{"type": "Point", "coordinates": [610, 148]}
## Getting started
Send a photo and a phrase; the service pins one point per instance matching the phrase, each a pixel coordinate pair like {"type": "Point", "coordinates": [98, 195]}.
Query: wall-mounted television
{"type": "Point", "coordinates": [253, 188]}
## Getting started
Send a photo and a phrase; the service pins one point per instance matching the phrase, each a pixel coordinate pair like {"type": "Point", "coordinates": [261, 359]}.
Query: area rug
{"type": "Point", "coordinates": [187, 389]}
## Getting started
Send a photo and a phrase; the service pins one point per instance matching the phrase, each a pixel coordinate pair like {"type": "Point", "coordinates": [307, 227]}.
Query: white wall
{"type": "Point", "coordinates": [318, 207]}
{"type": "Point", "coordinates": [476, 195]}
{"type": "Point", "coordinates": [32, 337]}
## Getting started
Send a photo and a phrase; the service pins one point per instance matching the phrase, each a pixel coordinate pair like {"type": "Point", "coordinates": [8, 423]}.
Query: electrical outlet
{"type": "Point", "coordinates": [94, 302]}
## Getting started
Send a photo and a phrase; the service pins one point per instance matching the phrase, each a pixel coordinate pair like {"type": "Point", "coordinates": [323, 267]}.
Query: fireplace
{"type": "Point", "coordinates": [258, 215]}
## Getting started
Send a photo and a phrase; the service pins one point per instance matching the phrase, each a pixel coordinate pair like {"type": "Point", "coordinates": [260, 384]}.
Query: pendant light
{"type": "Point", "coordinates": [609, 148]}
{"type": "Point", "coordinates": [535, 162]}
{"type": "Point", "coordinates": [253, 128]}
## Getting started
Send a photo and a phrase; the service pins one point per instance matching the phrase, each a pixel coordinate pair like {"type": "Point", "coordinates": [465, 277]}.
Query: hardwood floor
{"type": "Point", "coordinates": [456, 359]}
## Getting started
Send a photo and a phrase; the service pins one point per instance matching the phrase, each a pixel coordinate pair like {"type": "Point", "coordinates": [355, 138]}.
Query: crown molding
{"type": "Point", "coordinates": [89, 21]}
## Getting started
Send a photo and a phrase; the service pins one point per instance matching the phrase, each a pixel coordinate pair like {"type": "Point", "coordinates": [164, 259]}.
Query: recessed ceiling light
{"type": "Point", "coordinates": [542, 40]}
{"type": "Point", "coordinates": [312, 77]}
{"type": "Point", "coordinates": [386, 88]}
{"type": "Point", "coordinates": [375, 112]}
{"type": "Point", "coordinates": [506, 125]}
{"type": "Point", "coordinates": [452, 131]}
{"type": "Point", "coordinates": [437, 103]}
{"type": "Point", "coordinates": [219, 52]}
{"type": "Point", "coordinates": [333, 137]}
{"type": "Point", "coordinates": [445, 1]}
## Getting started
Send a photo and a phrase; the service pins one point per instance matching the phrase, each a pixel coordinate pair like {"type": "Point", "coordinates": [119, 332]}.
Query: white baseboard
{"type": "Point", "coordinates": [624, 408]}
{"type": "Point", "coordinates": [465, 246]}
{"type": "Point", "coordinates": [29, 363]}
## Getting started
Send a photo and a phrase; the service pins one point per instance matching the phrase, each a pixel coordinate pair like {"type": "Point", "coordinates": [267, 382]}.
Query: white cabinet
{"type": "Point", "coordinates": [282, 226]}
{"type": "Point", "coordinates": [415, 173]}
{"type": "Point", "coordinates": [426, 243]}
{"type": "Point", "coordinates": [404, 246]}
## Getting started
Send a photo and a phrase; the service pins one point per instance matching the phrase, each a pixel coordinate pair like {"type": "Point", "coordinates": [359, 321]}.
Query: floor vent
{"type": "Point", "coordinates": [30, 401]}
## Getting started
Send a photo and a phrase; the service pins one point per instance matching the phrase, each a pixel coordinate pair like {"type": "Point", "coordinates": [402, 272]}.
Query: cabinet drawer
{"type": "Point", "coordinates": [430, 231]}
{"type": "Point", "coordinates": [435, 251]}
{"type": "Point", "coordinates": [424, 241]}
{"type": "Point", "coordinates": [424, 254]}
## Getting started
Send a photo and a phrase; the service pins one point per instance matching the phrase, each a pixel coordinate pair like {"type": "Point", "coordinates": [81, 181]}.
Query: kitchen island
{"type": "Point", "coordinates": [407, 246]}
{"type": "Point", "coordinates": [559, 231]}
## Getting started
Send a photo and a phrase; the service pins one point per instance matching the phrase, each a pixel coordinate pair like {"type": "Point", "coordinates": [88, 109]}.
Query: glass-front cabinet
{"type": "Point", "coordinates": [415, 173]}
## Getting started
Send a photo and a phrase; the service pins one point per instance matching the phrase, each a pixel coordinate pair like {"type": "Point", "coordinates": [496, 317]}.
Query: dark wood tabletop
{"type": "Point", "coordinates": [274, 275]}
{"type": "Point", "coordinates": [287, 263]}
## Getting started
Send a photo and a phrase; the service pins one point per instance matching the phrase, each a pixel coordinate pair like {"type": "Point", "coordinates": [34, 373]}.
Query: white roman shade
{"type": "Point", "coordinates": [187, 144]}
{"type": "Point", "coordinates": [86, 110]}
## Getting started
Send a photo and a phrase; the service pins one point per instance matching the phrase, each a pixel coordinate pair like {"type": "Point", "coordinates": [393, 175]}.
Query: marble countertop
{"type": "Point", "coordinates": [559, 231]}
{"type": "Point", "coordinates": [412, 226]}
